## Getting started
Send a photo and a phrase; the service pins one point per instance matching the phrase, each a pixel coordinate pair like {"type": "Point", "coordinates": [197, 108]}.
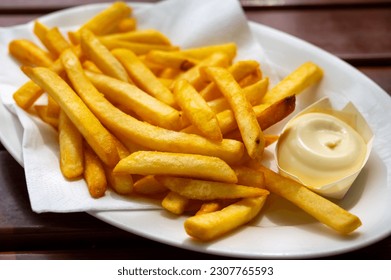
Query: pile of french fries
{"type": "Point", "coordinates": [139, 115]}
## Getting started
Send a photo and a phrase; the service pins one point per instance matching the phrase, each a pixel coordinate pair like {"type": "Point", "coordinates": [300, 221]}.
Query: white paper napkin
{"type": "Point", "coordinates": [188, 23]}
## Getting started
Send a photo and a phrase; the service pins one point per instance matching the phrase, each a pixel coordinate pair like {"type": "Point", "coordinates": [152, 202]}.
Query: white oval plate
{"type": "Point", "coordinates": [283, 231]}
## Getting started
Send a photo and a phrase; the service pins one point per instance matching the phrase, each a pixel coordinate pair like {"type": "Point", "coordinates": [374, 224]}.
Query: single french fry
{"type": "Point", "coordinates": [197, 110]}
{"type": "Point", "coordinates": [55, 42]}
{"type": "Point", "coordinates": [215, 224]}
{"type": "Point", "coordinates": [270, 114]}
{"type": "Point", "coordinates": [28, 53]}
{"type": "Point", "coordinates": [143, 77]}
{"type": "Point", "coordinates": [89, 126]}
{"type": "Point", "coordinates": [42, 114]}
{"type": "Point", "coordinates": [27, 94]}
{"type": "Point", "coordinates": [148, 185]}
{"type": "Point", "coordinates": [132, 98]}
{"type": "Point", "coordinates": [239, 70]}
{"type": "Point", "coordinates": [71, 148]}
{"type": "Point", "coordinates": [193, 75]}
{"type": "Point", "coordinates": [137, 48]}
{"type": "Point", "coordinates": [94, 173]}
{"type": "Point", "coordinates": [317, 206]}
{"type": "Point", "coordinates": [146, 36]}
{"type": "Point", "coordinates": [203, 52]}
{"type": "Point", "coordinates": [177, 164]}
{"type": "Point", "coordinates": [104, 22]}
{"type": "Point", "coordinates": [40, 30]}
{"type": "Point", "coordinates": [101, 56]}
{"type": "Point", "coordinates": [175, 203]}
{"type": "Point", "coordinates": [301, 78]}
{"type": "Point", "coordinates": [171, 60]}
{"type": "Point", "coordinates": [248, 125]}
{"type": "Point", "coordinates": [127, 24]}
{"type": "Point", "coordinates": [253, 93]}
{"type": "Point", "coordinates": [208, 190]}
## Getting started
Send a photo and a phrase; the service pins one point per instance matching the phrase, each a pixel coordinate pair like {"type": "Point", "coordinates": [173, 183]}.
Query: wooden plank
{"type": "Point", "coordinates": [352, 34]}
{"type": "Point", "coordinates": [311, 3]}
{"type": "Point", "coordinates": [25, 5]}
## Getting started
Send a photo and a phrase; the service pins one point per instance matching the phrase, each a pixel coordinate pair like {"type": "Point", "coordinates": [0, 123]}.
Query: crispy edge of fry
{"type": "Point", "coordinates": [94, 173]}
{"type": "Point", "coordinates": [102, 57]}
{"type": "Point", "coordinates": [71, 148]}
{"type": "Point", "coordinates": [248, 125]}
{"type": "Point", "coordinates": [28, 53]}
{"type": "Point", "coordinates": [177, 164]}
{"type": "Point", "coordinates": [143, 77]}
{"type": "Point", "coordinates": [197, 110]}
{"type": "Point", "coordinates": [89, 126]}
{"type": "Point", "coordinates": [27, 94]}
{"type": "Point", "coordinates": [40, 30]}
{"type": "Point", "coordinates": [212, 225]}
{"type": "Point", "coordinates": [208, 190]}
{"type": "Point", "coordinates": [317, 206]}
{"type": "Point", "coordinates": [175, 203]}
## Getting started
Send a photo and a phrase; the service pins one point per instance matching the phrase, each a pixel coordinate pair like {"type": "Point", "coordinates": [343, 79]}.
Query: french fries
{"type": "Point", "coordinates": [89, 126]}
{"type": "Point", "coordinates": [143, 77]}
{"type": "Point", "coordinates": [212, 225]}
{"type": "Point", "coordinates": [244, 114]}
{"type": "Point", "coordinates": [132, 98]}
{"type": "Point", "coordinates": [142, 116]}
{"type": "Point", "coordinates": [176, 164]}
{"type": "Point", "coordinates": [71, 148]}
{"type": "Point", "coordinates": [101, 56]}
{"type": "Point", "coordinates": [208, 190]}
{"type": "Point", "coordinates": [29, 53]}
{"type": "Point", "coordinates": [197, 110]}
{"type": "Point", "coordinates": [320, 208]}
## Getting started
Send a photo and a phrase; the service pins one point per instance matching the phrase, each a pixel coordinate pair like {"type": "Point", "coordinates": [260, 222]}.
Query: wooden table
{"type": "Point", "coordinates": [357, 31]}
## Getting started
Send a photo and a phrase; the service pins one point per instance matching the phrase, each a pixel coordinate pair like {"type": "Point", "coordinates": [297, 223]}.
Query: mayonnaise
{"type": "Point", "coordinates": [320, 149]}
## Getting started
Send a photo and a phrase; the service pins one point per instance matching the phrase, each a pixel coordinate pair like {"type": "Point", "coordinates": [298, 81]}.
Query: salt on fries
{"type": "Point", "coordinates": [141, 116]}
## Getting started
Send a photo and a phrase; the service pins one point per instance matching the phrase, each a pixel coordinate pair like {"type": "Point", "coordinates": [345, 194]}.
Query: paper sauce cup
{"type": "Point", "coordinates": [350, 115]}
